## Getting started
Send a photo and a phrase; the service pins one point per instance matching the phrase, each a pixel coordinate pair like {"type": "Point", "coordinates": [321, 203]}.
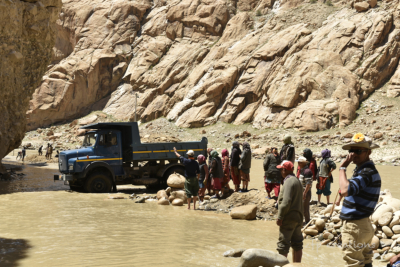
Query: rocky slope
{"type": "Point", "coordinates": [27, 36]}
{"type": "Point", "coordinates": [292, 64]}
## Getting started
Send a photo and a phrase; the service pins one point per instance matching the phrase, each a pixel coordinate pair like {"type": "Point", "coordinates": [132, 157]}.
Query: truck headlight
{"type": "Point", "coordinates": [71, 167]}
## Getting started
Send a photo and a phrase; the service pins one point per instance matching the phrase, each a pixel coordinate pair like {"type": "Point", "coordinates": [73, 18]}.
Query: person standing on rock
{"type": "Point", "coordinates": [290, 213]}
{"type": "Point", "coordinates": [272, 176]}
{"type": "Point", "coordinates": [326, 167]}
{"type": "Point", "coordinates": [361, 195]}
{"type": "Point", "coordinates": [288, 150]}
{"type": "Point", "coordinates": [225, 167]}
{"type": "Point", "coordinates": [305, 177]}
{"type": "Point", "coordinates": [40, 150]}
{"type": "Point", "coordinates": [191, 181]}
{"type": "Point", "coordinates": [244, 166]}
{"type": "Point", "coordinates": [216, 172]}
{"type": "Point", "coordinates": [203, 174]}
{"type": "Point", "coordinates": [235, 159]}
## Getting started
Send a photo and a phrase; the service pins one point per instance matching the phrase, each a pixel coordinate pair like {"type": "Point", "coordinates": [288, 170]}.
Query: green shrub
{"type": "Point", "coordinates": [313, 1]}
{"type": "Point", "coordinates": [329, 3]}
{"type": "Point", "coordinates": [258, 13]}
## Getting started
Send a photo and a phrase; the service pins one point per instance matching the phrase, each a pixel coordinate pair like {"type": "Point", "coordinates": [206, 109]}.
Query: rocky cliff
{"type": "Point", "coordinates": [27, 36]}
{"type": "Point", "coordinates": [293, 64]}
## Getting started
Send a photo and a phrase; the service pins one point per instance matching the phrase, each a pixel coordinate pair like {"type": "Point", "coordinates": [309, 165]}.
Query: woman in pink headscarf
{"type": "Point", "coordinates": [203, 174]}
{"type": "Point", "coordinates": [225, 167]}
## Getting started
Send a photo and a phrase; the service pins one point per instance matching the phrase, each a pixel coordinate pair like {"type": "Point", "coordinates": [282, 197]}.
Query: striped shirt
{"type": "Point", "coordinates": [363, 193]}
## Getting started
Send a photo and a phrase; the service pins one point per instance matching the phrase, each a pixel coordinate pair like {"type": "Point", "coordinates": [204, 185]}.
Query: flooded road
{"type": "Point", "coordinates": [42, 224]}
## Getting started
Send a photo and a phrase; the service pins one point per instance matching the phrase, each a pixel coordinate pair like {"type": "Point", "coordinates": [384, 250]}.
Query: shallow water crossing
{"type": "Point", "coordinates": [45, 225]}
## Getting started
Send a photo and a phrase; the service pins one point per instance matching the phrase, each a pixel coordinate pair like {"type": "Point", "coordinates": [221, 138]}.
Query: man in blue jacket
{"type": "Point", "coordinates": [361, 196]}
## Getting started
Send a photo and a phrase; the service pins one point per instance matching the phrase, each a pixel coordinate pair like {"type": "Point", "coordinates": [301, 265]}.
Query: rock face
{"type": "Point", "coordinates": [247, 212]}
{"type": "Point", "coordinates": [259, 257]}
{"type": "Point", "coordinates": [27, 36]}
{"type": "Point", "coordinates": [199, 62]}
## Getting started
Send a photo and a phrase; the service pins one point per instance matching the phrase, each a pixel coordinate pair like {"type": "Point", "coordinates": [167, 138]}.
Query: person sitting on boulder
{"type": "Point", "coordinates": [203, 176]}
{"type": "Point", "coordinates": [216, 172]}
{"type": "Point", "coordinates": [272, 176]}
{"type": "Point", "coordinates": [361, 195]}
{"type": "Point", "coordinates": [326, 167]}
{"type": "Point", "coordinates": [191, 181]}
{"type": "Point", "coordinates": [305, 177]}
{"type": "Point", "coordinates": [290, 213]}
{"type": "Point", "coordinates": [234, 164]}
{"type": "Point", "coordinates": [244, 167]}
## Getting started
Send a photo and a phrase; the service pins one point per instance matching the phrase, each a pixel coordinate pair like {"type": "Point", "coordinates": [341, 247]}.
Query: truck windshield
{"type": "Point", "coordinates": [90, 139]}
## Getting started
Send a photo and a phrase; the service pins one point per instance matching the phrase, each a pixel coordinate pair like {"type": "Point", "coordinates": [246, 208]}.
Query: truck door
{"type": "Point", "coordinates": [109, 148]}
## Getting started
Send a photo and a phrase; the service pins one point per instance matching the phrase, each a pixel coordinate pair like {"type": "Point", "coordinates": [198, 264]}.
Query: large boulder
{"type": "Point", "coordinates": [247, 212]}
{"type": "Point", "coordinates": [361, 6]}
{"type": "Point", "coordinates": [176, 180]}
{"type": "Point", "coordinates": [259, 257]}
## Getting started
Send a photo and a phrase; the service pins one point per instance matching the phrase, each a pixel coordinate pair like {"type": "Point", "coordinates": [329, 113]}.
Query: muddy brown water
{"type": "Point", "coordinates": [42, 224]}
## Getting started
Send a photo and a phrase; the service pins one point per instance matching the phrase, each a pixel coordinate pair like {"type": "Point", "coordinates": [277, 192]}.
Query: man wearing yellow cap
{"type": "Point", "coordinates": [361, 196]}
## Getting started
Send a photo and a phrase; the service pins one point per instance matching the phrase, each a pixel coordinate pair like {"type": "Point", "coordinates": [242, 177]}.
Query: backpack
{"type": "Point", "coordinates": [285, 151]}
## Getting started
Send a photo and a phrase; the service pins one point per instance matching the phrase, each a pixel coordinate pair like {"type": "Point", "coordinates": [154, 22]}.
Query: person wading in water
{"type": "Point", "coordinates": [361, 195]}
{"type": "Point", "coordinates": [191, 181]}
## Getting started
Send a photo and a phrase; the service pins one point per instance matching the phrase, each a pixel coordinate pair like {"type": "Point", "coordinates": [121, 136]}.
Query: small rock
{"type": "Point", "coordinates": [320, 224]}
{"type": "Point", "coordinates": [163, 201]}
{"type": "Point", "coordinates": [247, 212]}
{"type": "Point", "coordinates": [361, 6]}
{"type": "Point", "coordinates": [388, 256]}
{"type": "Point", "coordinates": [385, 242]}
{"type": "Point", "coordinates": [375, 242]}
{"type": "Point", "coordinates": [259, 257]}
{"type": "Point", "coordinates": [177, 202]}
{"type": "Point", "coordinates": [388, 232]}
{"type": "Point", "coordinates": [396, 229]}
{"type": "Point", "coordinates": [385, 218]}
{"type": "Point", "coordinates": [234, 253]}
{"type": "Point", "coordinates": [140, 200]}
{"type": "Point", "coordinates": [115, 197]}
{"type": "Point", "coordinates": [312, 232]}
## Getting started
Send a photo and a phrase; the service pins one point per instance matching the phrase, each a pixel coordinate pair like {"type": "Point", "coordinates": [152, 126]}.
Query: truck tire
{"type": "Point", "coordinates": [98, 183]}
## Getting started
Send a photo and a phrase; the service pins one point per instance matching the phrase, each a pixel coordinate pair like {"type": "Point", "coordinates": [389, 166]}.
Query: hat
{"type": "Point", "coordinates": [190, 153]}
{"type": "Point", "coordinates": [288, 165]}
{"type": "Point", "coordinates": [359, 140]}
{"type": "Point", "coordinates": [302, 159]}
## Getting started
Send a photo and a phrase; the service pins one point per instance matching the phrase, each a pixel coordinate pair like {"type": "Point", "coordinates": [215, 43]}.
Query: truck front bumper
{"type": "Point", "coordinates": [64, 177]}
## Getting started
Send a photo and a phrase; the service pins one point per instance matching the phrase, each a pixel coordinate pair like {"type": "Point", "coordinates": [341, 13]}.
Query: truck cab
{"type": "Point", "coordinates": [112, 154]}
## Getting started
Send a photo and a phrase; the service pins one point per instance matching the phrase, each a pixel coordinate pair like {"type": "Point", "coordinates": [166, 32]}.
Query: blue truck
{"type": "Point", "coordinates": [112, 154]}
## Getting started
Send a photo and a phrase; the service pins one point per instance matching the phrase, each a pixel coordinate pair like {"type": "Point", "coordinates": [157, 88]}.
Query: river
{"type": "Point", "coordinates": [42, 224]}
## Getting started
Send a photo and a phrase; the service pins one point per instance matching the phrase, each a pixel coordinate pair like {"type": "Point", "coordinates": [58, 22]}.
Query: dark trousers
{"type": "Point", "coordinates": [306, 205]}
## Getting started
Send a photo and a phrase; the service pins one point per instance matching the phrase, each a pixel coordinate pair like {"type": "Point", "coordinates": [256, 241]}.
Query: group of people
{"type": "Point", "coordinates": [360, 193]}
{"type": "Point", "coordinates": [49, 151]}
{"type": "Point", "coordinates": [292, 190]}
{"type": "Point", "coordinates": [213, 172]}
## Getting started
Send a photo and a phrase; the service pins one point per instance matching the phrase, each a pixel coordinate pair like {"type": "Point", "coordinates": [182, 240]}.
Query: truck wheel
{"type": "Point", "coordinates": [79, 189]}
{"type": "Point", "coordinates": [98, 183]}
